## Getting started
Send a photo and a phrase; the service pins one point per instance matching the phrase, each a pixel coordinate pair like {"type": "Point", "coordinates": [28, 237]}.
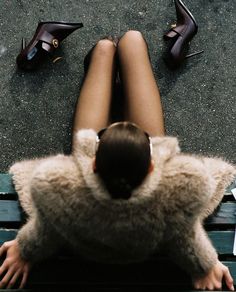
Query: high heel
{"type": "Point", "coordinates": [180, 35]}
{"type": "Point", "coordinates": [46, 40]}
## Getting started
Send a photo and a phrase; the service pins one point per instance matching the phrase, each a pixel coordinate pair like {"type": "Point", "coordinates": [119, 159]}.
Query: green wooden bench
{"type": "Point", "coordinates": [157, 274]}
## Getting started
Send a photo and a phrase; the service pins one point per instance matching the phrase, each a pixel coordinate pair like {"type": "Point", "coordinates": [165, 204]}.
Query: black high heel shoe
{"type": "Point", "coordinates": [46, 40]}
{"type": "Point", "coordinates": [180, 35]}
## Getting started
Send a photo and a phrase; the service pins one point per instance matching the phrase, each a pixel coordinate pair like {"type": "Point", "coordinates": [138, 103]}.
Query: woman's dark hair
{"type": "Point", "coordinates": [123, 158]}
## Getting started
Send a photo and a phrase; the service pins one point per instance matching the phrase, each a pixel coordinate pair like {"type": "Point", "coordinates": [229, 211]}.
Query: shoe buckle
{"type": "Point", "coordinates": [173, 25]}
{"type": "Point", "coordinates": [55, 43]}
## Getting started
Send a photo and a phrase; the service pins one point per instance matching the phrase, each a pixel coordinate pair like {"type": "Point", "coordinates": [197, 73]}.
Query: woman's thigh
{"type": "Point", "coordinates": [93, 106]}
{"type": "Point", "coordinates": [143, 102]}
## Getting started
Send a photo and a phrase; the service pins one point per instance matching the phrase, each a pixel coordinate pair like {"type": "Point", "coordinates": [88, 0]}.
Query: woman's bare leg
{"type": "Point", "coordinates": [93, 106]}
{"type": "Point", "coordinates": [143, 102]}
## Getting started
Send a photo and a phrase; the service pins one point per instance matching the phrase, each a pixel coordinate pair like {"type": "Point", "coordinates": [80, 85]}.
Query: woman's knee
{"type": "Point", "coordinates": [132, 37]}
{"type": "Point", "coordinates": [104, 47]}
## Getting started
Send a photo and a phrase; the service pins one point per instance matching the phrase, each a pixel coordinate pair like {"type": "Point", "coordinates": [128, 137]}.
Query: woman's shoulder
{"type": "Point", "coordinates": [85, 142]}
{"type": "Point", "coordinates": [186, 184]}
{"type": "Point", "coordinates": [42, 174]}
{"type": "Point", "coordinates": [186, 169]}
{"type": "Point", "coordinates": [56, 181]}
{"type": "Point", "coordinates": [55, 169]}
{"type": "Point", "coordinates": [164, 148]}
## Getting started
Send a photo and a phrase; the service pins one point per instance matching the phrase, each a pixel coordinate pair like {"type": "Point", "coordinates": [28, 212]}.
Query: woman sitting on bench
{"type": "Point", "coordinates": [122, 194]}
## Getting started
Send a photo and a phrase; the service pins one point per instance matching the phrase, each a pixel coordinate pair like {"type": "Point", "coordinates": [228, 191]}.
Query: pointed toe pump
{"type": "Point", "coordinates": [45, 41]}
{"type": "Point", "coordinates": [180, 35]}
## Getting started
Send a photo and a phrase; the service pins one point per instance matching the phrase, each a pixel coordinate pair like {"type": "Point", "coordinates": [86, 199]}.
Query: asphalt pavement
{"type": "Point", "coordinates": [199, 99]}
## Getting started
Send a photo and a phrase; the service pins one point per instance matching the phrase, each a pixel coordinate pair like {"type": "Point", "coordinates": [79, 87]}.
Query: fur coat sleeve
{"type": "Point", "coordinates": [37, 240]}
{"type": "Point", "coordinates": [222, 174]}
{"type": "Point", "coordinates": [204, 181]}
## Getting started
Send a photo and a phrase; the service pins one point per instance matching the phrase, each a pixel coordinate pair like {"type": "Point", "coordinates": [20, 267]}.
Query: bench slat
{"type": "Point", "coordinates": [9, 211]}
{"type": "Point", "coordinates": [225, 214]}
{"type": "Point", "coordinates": [7, 235]}
{"type": "Point", "coordinates": [223, 241]}
{"type": "Point", "coordinates": [6, 186]}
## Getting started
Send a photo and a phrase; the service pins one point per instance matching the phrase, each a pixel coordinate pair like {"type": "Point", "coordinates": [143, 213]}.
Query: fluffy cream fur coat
{"type": "Point", "coordinates": [68, 205]}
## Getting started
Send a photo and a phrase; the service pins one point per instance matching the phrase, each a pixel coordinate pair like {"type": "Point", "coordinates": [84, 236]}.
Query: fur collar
{"type": "Point", "coordinates": [163, 149]}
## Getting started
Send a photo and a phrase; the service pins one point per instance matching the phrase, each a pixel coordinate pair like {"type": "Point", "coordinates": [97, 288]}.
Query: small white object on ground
{"type": "Point", "coordinates": [233, 191]}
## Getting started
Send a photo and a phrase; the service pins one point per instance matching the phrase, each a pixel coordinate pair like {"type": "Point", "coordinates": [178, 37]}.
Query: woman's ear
{"type": "Point", "coordinates": [94, 165]}
{"type": "Point", "coordinates": [151, 166]}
